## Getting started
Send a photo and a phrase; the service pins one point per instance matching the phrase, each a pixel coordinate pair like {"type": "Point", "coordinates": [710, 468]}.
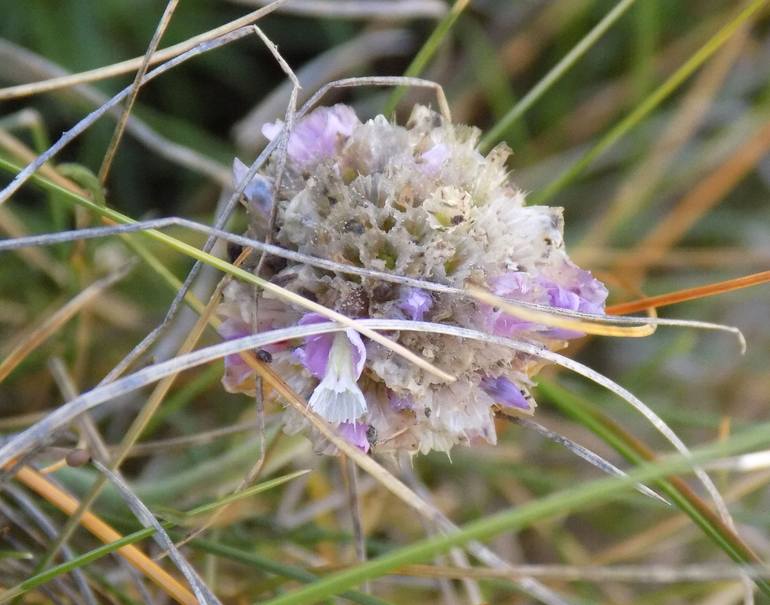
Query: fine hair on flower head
{"type": "Point", "coordinates": [419, 201]}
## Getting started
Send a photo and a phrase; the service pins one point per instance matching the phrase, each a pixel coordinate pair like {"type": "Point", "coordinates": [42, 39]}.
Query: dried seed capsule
{"type": "Point", "coordinates": [78, 457]}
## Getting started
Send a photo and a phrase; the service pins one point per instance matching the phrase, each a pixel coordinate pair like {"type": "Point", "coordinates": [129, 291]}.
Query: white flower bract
{"type": "Point", "coordinates": [338, 398]}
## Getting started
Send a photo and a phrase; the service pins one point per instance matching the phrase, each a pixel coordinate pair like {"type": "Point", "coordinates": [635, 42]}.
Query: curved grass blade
{"type": "Point", "coordinates": [556, 72]}
{"type": "Point", "coordinates": [572, 499]}
{"type": "Point", "coordinates": [271, 566]}
{"type": "Point", "coordinates": [199, 255]}
{"type": "Point", "coordinates": [97, 553]}
{"type": "Point", "coordinates": [427, 51]}
{"type": "Point", "coordinates": [637, 452]}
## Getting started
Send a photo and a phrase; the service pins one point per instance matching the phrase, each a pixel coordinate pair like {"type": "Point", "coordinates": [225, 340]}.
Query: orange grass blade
{"type": "Point", "coordinates": [106, 533]}
{"type": "Point", "coordinates": [653, 302]}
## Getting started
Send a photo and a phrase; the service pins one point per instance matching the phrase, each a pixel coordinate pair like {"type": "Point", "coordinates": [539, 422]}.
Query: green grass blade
{"type": "Point", "coordinates": [273, 567]}
{"type": "Point", "coordinates": [97, 553]}
{"type": "Point", "coordinates": [558, 503]}
{"type": "Point", "coordinates": [674, 488]}
{"type": "Point", "coordinates": [74, 563]}
{"type": "Point", "coordinates": [557, 71]}
{"type": "Point", "coordinates": [425, 54]}
{"type": "Point", "coordinates": [650, 102]}
{"type": "Point", "coordinates": [253, 490]}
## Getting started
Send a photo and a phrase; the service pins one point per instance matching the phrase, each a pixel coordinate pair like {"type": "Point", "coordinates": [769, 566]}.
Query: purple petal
{"type": "Point", "coordinates": [562, 298]}
{"type": "Point", "coordinates": [400, 402]}
{"type": "Point", "coordinates": [314, 353]}
{"type": "Point", "coordinates": [258, 193]}
{"type": "Point", "coordinates": [415, 303]}
{"type": "Point", "coordinates": [318, 134]}
{"type": "Point", "coordinates": [591, 292]}
{"type": "Point", "coordinates": [434, 158]}
{"type": "Point", "coordinates": [355, 434]}
{"type": "Point", "coordinates": [516, 285]}
{"type": "Point", "coordinates": [504, 392]}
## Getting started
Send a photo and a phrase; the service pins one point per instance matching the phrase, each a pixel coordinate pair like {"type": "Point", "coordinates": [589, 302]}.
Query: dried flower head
{"type": "Point", "coordinates": [420, 201]}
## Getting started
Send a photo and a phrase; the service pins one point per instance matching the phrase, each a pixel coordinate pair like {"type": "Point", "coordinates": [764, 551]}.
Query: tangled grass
{"type": "Point", "coordinates": [651, 132]}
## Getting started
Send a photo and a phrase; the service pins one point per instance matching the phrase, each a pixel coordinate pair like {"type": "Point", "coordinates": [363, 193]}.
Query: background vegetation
{"type": "Point", "coordinates": [653, 136]}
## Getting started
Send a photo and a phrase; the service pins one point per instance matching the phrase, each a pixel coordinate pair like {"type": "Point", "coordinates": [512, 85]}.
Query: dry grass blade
{"type": "Point", "coordinates": [545, 314]}
{"type": "Point", "coordinates": [358, 9]}
{"type": "Point", "coordinates": [86, 122]}
{"type": "Point", "coordinates": [67, 504]}
{"type": "Point", "coordinates": [659, 574]}
{"type": "Point", "coordinates": [124, 67]}
{"type": "Point", "coordinates": [443, 104]}
{"type": "Point", "coordinates": [582, 452]}
{"type": "Point", "coordinates": [550, 319]}
{"type": "Point", "coordinates": [202, 592]}
{"type": "Point", "coordinates": [123, 119]}
{"type": "Point", "coordinates": [50, 325]}
{"type": "Point", "coordinates": [672, 298]}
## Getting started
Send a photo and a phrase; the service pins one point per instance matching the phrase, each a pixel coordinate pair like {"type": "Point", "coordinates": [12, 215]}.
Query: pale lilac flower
{"type": "Point", "coordinates": [579, 291]}
{"type": "Point", "coordinates": [421, 201]}
{"type": "Point", "coordinates": [317, 135]}
{"type": "Point", "coordinates": [400, 402]}
{"type": "Point", "coordinates": [505, 392]}
{"type": "Point", "coordinates": [338, 398]}
{"type": "Point", "coordinates": [433, 159]}
{"type": "Point", "coordinates": [415, 303]}
{"type": "Point", "coordinates": [355, 433]}
{"type": "Point", "coordinates": [517, 285]}
{"type": "Point", "coordinates": [259, 191]}
{"type": "Point", "coordinates": [591, 292]}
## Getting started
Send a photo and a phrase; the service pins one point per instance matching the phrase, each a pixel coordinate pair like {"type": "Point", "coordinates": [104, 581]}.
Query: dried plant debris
{"type": "Point", "coordinates": [419, 201]}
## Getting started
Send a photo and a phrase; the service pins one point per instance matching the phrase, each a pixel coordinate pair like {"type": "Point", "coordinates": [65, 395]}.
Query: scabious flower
{"type": "Point", "coordinates": [420, 201]}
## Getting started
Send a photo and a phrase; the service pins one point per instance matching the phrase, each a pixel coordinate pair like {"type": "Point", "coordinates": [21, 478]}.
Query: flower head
{"type": "Point", "coordinates": [420, 201]}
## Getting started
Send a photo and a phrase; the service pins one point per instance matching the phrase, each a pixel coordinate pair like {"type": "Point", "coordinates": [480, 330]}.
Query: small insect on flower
{"type": "Point", "coordinates": [419, 201]}
{"type": "Point", "coordinates": [264, 356]}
